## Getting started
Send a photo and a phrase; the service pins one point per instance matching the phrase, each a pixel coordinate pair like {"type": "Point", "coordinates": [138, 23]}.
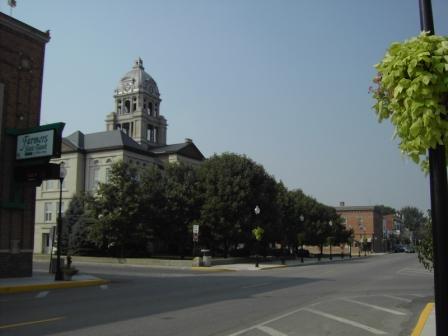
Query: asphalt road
{"type": "Point", "coordinates": [379, 295]}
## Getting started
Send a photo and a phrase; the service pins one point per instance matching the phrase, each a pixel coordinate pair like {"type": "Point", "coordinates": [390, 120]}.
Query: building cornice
{"type": "Point", "coordinates": [23, 28]}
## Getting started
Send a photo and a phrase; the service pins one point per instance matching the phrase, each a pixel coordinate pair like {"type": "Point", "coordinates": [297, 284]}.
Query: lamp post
{"type": "Point", "coordinates": [301, 219]}
{"type": "Point", "coordinates": [58, 275]}
{"type": "Point", "coordinates": [330, 223]}
{"type": "Point", "coordinates": [257, 211]}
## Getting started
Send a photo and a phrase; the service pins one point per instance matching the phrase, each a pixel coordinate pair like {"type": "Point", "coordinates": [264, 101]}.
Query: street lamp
{"type": "Point", "coordinates": [58, 275]}
{"type": "Point", "coordinates": [330, 223]}
{"type": "Point", "coordinates": [257, 211]}
{"type": "Point", "coordinates": [301, 218]}
{"type": "Point", "coordinates": [350, 241]}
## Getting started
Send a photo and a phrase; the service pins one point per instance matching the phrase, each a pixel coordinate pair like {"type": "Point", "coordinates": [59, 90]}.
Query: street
{"type": "Point", "coordinates": [377, 295]}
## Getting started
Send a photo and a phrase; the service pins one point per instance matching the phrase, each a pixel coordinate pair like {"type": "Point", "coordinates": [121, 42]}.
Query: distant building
{"type": "Point", "coordinates": [136, 132]}
{"type": "Point", "coordinates": [366, 223]}
{"type": "Point", "coordinates": [22, 53]}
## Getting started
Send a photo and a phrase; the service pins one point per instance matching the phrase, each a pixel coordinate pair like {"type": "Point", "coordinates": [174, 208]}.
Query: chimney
{"type": "Point", "coordinates": [341, 204]}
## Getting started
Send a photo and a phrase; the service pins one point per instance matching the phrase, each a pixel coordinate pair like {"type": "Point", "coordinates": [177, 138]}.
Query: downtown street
{"type": "Point", "coordinates": [376, 295]}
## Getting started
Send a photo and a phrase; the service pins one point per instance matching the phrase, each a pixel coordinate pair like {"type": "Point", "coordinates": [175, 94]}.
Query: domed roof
{"type": "Point", "coordinates": [137, 80]}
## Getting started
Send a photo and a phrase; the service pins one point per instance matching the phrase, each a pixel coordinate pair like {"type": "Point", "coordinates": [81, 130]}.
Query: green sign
{"type": "Point", "coordinates": [34, 145]}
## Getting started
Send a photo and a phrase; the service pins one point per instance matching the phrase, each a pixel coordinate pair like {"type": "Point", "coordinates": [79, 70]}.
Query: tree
{"type": "Point", "coordinates": [425, 247]}
{"type": "Point", "coordinates": [384, 210]}
{"type": "Point", "coordinates": [231, 186]}
{"type": "Point", "coordinates": [116, 209]}
{"type": "Point", "coordinates": [76, 225]}
{"type": "Point", "coordinates": [413, 219]}
{"type": "Point", "coordinates": [182, 205]}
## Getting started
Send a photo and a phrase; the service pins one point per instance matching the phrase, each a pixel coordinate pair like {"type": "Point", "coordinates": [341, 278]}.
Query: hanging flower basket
{"type": "Point", "coordinates": [411, 89]}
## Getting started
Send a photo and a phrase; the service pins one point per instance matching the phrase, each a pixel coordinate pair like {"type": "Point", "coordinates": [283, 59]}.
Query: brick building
{"type": "Point", "coordinates": [22, 52]}
{"type": "Point", "coordinates": [367, 224]}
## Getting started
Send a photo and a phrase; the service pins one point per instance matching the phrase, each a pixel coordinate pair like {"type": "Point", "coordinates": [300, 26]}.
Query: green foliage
{"type": "Point", "coordinates": [384, 210]}
{"type": "Point", "coordinates": [258, 233]}
{"type": "Point", "coordinates": [76, 225]}
{"type": "Point", "coordinates": [425, 247]}
{"type": "Point", "coordinates": [412, 92]}
{"type": "Point", "coordinates": [414, 220]}
{"type": "Point", "coordinates": [231, 186]}
{"type": "Point", "coordinates": [118, 226]}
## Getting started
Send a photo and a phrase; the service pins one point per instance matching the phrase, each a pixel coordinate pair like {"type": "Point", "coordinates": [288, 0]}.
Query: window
{"type": "Point", "coordinates": [48, 211]}
{"type": "Point", "coordinates": [96, 177]}
{"type": "Point", "coordinates": [50, 184]}
{"type": "Point", "coordinates": [62, 208]}
{"type": "Point", "coordinates": [108, 169]}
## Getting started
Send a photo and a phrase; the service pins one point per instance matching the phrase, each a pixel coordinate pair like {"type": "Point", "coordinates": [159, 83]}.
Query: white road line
{"type": "Point", "coordinates": [270, 331]}
{"type": "Point", "coordinates": [349, 322]}
{"type": "Point", "coordinates": [391, 311]}
{"type": "Point", "coordinates": [266, 322]}
{"type": "Point", "coordinates": [413, 271]}
{"type": "Point", "coordinates": [397, 298]}
{"type": "Point", "coordinates": [417, 295]}
{"type": "Point", "coordinates": [104, 287]}
{"type": "Point", "coordinates": [41, 295]}
{"type": "Point", "coordinates": [257, 285]}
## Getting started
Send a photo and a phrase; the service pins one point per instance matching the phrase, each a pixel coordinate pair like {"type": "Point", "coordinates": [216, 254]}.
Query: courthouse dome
{"type": "Point", "coordinates": [138, 80]}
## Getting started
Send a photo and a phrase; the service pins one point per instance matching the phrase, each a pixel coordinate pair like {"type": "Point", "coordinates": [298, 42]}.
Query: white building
{"type": "Point", "coordinates": [136, 132]}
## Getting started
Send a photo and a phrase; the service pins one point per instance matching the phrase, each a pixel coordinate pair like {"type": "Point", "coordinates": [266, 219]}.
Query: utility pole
{"type": "Point", "coordinates": [439, 206]}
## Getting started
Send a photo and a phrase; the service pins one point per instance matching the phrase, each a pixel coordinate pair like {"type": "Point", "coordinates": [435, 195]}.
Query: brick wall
{"type": "Point", "coordinates": [22, 52]}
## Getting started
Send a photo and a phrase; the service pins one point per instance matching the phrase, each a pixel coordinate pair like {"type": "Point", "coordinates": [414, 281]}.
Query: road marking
{"type": "Point", "coordinates": [397, 298]}
{"type": "Point", "coordinates": [104, 287]}
{"type": "Point", "coordinates": [414, 271]}
{"type": "Point", "coordinates": [422, 319]}
{"type": "Point", "coordinates": [22, 324]}
{"type": "Point", "coordinates": [41, 295]}
{"type": "Point", "coordinates": [391, 311]}
{"type": "Point", "coordinates": [257, 285]}
{"type": "Point", "coordinates": [270, 331]}
{"type": "Point", "coordinates": [349, 322]}
{"type": "Point", "coordinates": [266, 322]}
{"type": "Point", "coordinates": [417, 295]}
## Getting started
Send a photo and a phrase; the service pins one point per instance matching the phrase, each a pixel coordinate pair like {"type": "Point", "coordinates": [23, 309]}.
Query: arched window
{"type": "Point", "coordinates": [150, 109]}
{"type": "Point", "coordinates": [127, 106]}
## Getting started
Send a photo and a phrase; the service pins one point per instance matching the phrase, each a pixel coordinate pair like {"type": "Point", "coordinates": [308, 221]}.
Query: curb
{"type": "Point", "coordinates": [273, 267]}
{"type": "Point", "coordinates": [57, 285]}
{"type": "Point", "coordinates": [208, 269]}
{"type": "Point", "coordinates": [422, 319]}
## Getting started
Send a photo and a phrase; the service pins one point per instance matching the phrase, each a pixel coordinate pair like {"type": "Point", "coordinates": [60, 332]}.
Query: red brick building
{"type": "Point", "coordinates": [22, 51]}
{"type": "Point", "coordinates": [367, 224]}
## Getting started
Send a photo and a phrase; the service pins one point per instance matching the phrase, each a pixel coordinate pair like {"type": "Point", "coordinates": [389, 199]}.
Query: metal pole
{"type": "Point", "coordinates": [58, 275]}
{"type": "Point", "coordinates": [331, 256]}
{"type": "Point", "coordinates": [439, 210]}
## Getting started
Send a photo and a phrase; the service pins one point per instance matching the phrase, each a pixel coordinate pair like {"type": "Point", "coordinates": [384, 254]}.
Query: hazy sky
{"type": "Point", "coordinates": [284, 82]}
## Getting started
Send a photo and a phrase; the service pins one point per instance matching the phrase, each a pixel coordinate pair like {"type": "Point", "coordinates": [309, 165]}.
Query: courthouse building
{"type": "Point", "coordinates": [136, 132]}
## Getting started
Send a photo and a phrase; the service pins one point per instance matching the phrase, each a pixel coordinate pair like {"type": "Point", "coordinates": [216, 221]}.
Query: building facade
{"type": "Point", "coordinates": [136, 133]}
{"type": "Point", "coordinates": [22, 53]}
{"type": "Point", "coordinates": [366, 223]}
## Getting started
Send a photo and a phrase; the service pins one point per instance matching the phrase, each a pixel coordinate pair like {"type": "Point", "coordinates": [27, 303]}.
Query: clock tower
{"type": "Point", "coordinates": [137, 108]}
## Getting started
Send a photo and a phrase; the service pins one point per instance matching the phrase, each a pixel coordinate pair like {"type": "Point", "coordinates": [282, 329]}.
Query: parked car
{"type": "Point", "coordinates": [409, 249]}
{"type": "Point", "coordinates": [399, 249]}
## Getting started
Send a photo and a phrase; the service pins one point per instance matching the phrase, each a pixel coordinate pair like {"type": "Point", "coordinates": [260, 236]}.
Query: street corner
{"type": "Point", "coordinates": [425, 325]}
{"type": "Point", "coordinates": [13, 288]}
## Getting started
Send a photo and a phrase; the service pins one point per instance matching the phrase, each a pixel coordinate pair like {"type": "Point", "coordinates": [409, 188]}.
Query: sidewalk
{"type": "Point", "coordinates": [41, 282]}
{"type": "Point", "coordinates": [426, 325]}
{"type": "Point", "coordinates": [274, 264]}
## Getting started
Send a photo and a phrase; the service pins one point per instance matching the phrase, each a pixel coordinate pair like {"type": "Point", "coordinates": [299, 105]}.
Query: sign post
{"type": "Point", "coordinates": [195, 238]}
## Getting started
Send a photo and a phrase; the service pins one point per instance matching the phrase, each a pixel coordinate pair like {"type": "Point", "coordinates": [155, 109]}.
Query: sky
{"type": "Point", "coordinates": [284, 82]}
